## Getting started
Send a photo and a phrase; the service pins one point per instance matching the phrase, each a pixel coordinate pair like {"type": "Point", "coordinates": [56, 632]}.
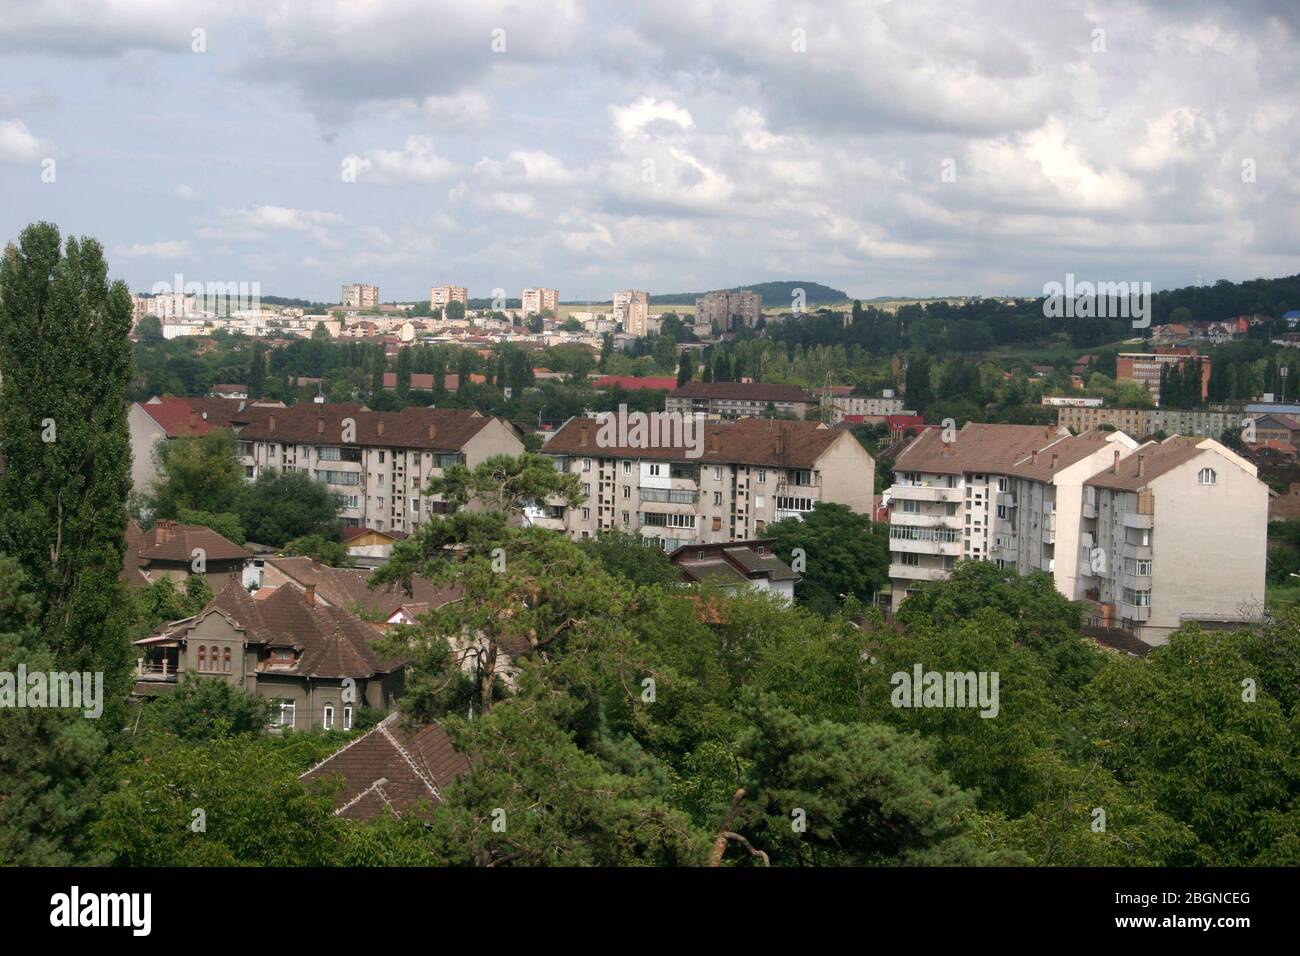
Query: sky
{"type": "Point", "coordinates": [918, 148]}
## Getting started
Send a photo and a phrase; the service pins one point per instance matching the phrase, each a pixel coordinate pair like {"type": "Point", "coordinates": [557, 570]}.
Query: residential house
{"type": "Point", "coordinates": [177, 551]}
{"type": "Point", "coordinates": [752, 565]}
{"type": "Point", "coordinates": [739, 400]}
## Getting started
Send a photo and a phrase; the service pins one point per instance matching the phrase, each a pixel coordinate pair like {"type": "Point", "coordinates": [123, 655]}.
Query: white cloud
{"type": "Point", "coordinates": [172, 249]}
{"type": "Point", "coordinates": [18, 145]}
{"type": "Point", "coordinates": [188, 193]}
{"type": "Point", "coordinates": [417, 162]}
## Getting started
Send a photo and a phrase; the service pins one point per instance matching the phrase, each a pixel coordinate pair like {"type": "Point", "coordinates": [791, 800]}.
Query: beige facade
{"type": "Point", "coordinates": [1139, 422]}
{"type": "Point", "coordinates": [540, 300]}
{"type": "Point", "coordinates": [727, 309]}
{"type": "Point", "coordinates": [441, 295]}
{"type": "Point", "coordinates": [632, 312]}
{"type": "Point", "coordinates": [731, 492]}
{"type": "Point", "coordinates": [358, 296]}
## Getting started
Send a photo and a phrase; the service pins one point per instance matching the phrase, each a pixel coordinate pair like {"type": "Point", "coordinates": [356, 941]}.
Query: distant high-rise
{"type": "Point", "coordinates": [725, 309]}
{"type": "Point", "coordinates": [632, 312]}
{"type": "Point", "coordinates": [360, 296]}
{"type": "Point", "coordinates": [541, 300]}
{"type": "Point", "coordinates": [441, 295]}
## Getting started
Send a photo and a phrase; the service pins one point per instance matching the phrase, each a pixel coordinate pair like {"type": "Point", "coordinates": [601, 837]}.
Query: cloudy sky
{"type": "Point", "coordinates": [885, 148]}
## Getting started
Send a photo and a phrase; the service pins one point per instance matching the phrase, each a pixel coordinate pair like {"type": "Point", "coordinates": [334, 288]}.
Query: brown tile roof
{"type": "Point", "coordinates": [332, 642]}
{"type": "Point", "coordinates": [747, 441]}
{"type": "Point", "coordinates": [434, 429]}
{"type": "Point", "coordinates": [391, 768]}
{"type": "Point", "coordinates": [197, 416]}
{"type": "Point", "coordinates": [1153, 459]}
{"type": "Point", "coordinates": [743, 391]}
{"type": "Point", "coordinates": [1045, 462]}
{"type": "Point", "coordinates": [976, 447]}
{"type": "Point", "coordinates": [349, 587]}
{"type": "Point", "coordinates": [173, 543]}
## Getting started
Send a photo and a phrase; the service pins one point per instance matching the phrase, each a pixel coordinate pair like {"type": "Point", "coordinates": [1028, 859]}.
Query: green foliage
{"type": "Point", "coordinates": [225, 524]}
{"type": "Point", "coordinates": [331, 553]}
{"type": "Point", "coordinates": [279, 507]}
{"type": "Point", "coordinates": [846, 554]}
{"type": "Point", "coordinates": [199, 473]}
{"type": "Point", "coordinates": [205, 709]}
{"type": "Point", "coordinates": [506, 484]}
{"type": "Point", "coordinates": [632, 557]}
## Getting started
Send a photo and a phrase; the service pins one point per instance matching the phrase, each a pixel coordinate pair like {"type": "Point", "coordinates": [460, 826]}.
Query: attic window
{"type": "Point", "coordinates": [1208, 477]}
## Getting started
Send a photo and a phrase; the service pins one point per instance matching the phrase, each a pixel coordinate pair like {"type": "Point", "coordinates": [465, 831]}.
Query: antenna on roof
{"type": "Point", "coordinates": [320, 396]}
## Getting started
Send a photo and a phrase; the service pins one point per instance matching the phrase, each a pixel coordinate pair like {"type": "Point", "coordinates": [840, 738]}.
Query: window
{"type": "Point", "coordinates": [328, 717]}
{"type": "Point", "coordinates": [717, 524]}
{"type": "Point", "coordinates": [762, 474]}
{"type": "Point", "coordinates": [225, 660]}
{"type": "Point", "coordinates": [627, 468]}
{"type": "Point", "coordinates": [347, 717]}
{"type": "Point", "coordinates": [786, 503]}
{"type": "Point", "coordinates": [287, 711]}
{"type": "Point", "coordinates": [801, 476]}
{"type": "Point", "coordinates": [415, 505]}
{"type": "Point", "coordinates": [909, 559]}
{"type": "Point", "coordinates": [381, 457]}
{"type": "Point", "coordinates": [717, 472]}
{"type": "Point", "coordinates": [586, 490]}
{"type": "Point", "coordinates": [717, 497]}
{"type": "Point", "coordinates": [654, 471]}
{"type": "Point", "coordinates": [681, 521]}
{"type": "Point", "coordinates": [911, 506]}
{"type": "Point", "coordinates": [1207, 476]}
{"type": "Point", "coordinates": [1137, 598]}
{"type": "Point", "coordinates": [626, 517]}
{"type": "Point", "coordinates": [627, 491]}
{"type": "Point", "coordinates": [586, 464]}
{"type": "Point", "coordinates": [586, 514]}
{"type": "Point", "coordinates": [203, 658]}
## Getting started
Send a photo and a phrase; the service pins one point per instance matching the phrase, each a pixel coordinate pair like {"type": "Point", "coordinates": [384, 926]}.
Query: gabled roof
{"type": "Point", "coordinates": [332, 643]}
{"type": "Point", "coordinates": [732, 562]}
{"type": "Point", "coordinates": [181, 417]}
{"type": "Point", "coordinates": [977, 447]}
{"type": "Point", "coordinates": [744, 392]}
{"type": "Point", "coordinates": [1152, 459]}
{"type": "Point", "coordinates": [747, 441]}
{"type": "Point", "coordinates": [633, 382]}
{"type": "Point", "coordinates": [1044, 463]}
{"type": "Point", "coordinates": [391, 769]}
{"type": "Point", "coordinates": [434, 429]}
{"type": "Point", "coordinates": [349, 587]}
{"type": "Point", "coordinates": [172, 543]}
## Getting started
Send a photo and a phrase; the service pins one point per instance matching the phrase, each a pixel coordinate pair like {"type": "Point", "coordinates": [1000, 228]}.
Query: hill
{"type": "Point", "coordinates": [775, 294]}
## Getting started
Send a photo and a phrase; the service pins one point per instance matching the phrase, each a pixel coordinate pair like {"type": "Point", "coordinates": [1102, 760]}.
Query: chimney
{"type": "Point", "coordinates": [1142, 466]}
{"type": "Point", "coordinates": [309, 592]}
{"type": "Point", "coordinates": [1048, 430]}
{"type": "Point", "coordinates": [433, 431]}
{"type": "Point", "coordinates": [320, 426]}
{"type": "Point", "coordinates": [270, 423]}
{"type": "Point", "coordinates": [1055, 458]}
{"type": "Point", "coordinates": [582, 435]}
{"type": "Point", "coordinates": [194, 418]}
{"type": "Point", "coordinates": [1114, 469]}
{"type": "Point", "coordinates": [1033, 457]}
{"type": "Point", "coordinates": [163, 531]}
{"type": "Point", "coordinates": [379, 427]}
{"type": "Point", "coordinates": [715, 442]}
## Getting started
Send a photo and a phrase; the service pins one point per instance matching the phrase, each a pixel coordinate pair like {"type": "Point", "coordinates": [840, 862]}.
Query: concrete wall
{"type": "Point", "coordinates": [144, 434]}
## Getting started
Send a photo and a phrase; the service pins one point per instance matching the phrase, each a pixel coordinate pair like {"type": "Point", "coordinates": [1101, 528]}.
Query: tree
{"type": "Point", "coordinates": [844, 554]}
{"type": "Point", "coordinates": [633, 557]}
{"type": "Point", "coordinates": [277, 508]}
{"type": "Point", "coordinates": [333, 554]}
{"type": "Point", "coordinates": [203, 709]}
{"type": "Point", "coordinates": [65, 362]}
{"type": "Point", "coordinates": [404, 374]}
{"type": "Point", "coordinates": [197, 473]}
{"type": "Point", "coordinates": [455, 311]}
{"type": "Point", "coordinates": [257, 372]}
{"type": "Point", "coordinates": [685, 368]}
{"type": "Point", "coordinates": [225, 524]}
{"type": "Point", "coordinates": [505, 484]}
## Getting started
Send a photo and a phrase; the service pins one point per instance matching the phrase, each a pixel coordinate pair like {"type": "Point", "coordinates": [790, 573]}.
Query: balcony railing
{"type": "Point", "coordinates": [925, 493]}
{"type": "Point", "coordinates": [674, 496]}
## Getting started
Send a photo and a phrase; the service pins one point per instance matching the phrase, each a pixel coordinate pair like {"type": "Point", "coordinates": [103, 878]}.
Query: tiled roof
{"type": "Point", "coordinates": [391, 768]}
{"type": "Point", "coordinates": [633, 382]}
{"type": "Point", "coordinates": [976, 447]}
{"type": "Point", "coordinates": [348, 587]}
{"type": "Point", "coordinates": [1152, 459]}
{"type": "Point", "coordinates": [435, 429]}
{"type": "Point", "coordinates": [173, 543]}
{"type": "Point", "coordinates": [181, 417]}
{"type": "Point", "coordinates": [744, 392]}
{"type": "Point", "coordinates": [1045, 462]}
{"type": "Point", "coordinates": [332, 642]}
{"type": "Point", "coordinates": [751, 441]}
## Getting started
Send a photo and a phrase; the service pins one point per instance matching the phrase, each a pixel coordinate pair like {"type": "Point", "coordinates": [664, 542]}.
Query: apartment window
{"type": "Point", "coordinates": [627, 491]}
{"type": "Point", "coordinates": [248, 471]}
{"type": "Point", "coordinates": [347, 717]}
{"type": "Point", "coordinates": [586, 464]}
{"type": "Point", "coordinates": [203, 658]}
{"type": "Point", "coordinates": [586, 489]}
{"type": "Point", "coordinates": [717, 524]}
{"type": "Point", "coordinates": [351, 501]}
{"type": "Point", "coordinates": [717, 497]}
{"type": "Point", "coordinates": [654, 471]}
{"type": "Point", "coordinates": [681, 521]}
{"type": "Point", "coordinates": [586, 514]}
{"type": "Point", "coordinates": [328, 717]}
{"type": "Point", "coordinates": [909, 559]}
{"type": "Point", "coordinates": [1002, 484]}
{"type": "Point", "coordinates": [288, 710]}
{"type": "Point", "coordinates": [627, 468]}
{"type": "Point", "coordinates": [1207, 476]}
{"type": "Point", "coordinates": [626, 518]}
{"type": "Point", "coordinates": [717, 472]}
{"type": "Point", "coordinates": [381, 457]}
{"type": "Point", "coordinates": [415, 505]}
{"type": "Point", "coordinates": [911, 506]}
{"type": "Point", "coordinates": [785, 503]}
{"type": "Point", "coordinates": [1002, 511]}
{"type": "Point", "coordinates": [762, 474]}
{"type": "Point", "coordinates": [1137, 598]}
{"type": "Point", "coordinates": [801, 476]}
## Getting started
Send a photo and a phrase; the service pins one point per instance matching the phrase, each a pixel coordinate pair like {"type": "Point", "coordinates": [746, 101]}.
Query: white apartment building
{"type": "Point", "coordinates": [358, 296]}
{"type": "Point", "coordinates": [632, 312]}
{"type": "Point", "coordinates": [441, 295]}
{"type": "Point", "coordinates": [840, 405]}
{"type": "Point", "coordinates": [383, 471]}
{"type": "Point", "coordinates": [748, 474]}
{"type": "Point", "coordinates": [1033, 498]}
{"type": "Point", "coordinates": [540, 300]}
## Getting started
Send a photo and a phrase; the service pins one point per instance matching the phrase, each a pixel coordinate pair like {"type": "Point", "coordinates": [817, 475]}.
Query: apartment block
{"type": "Point", "coordinates": [1175, 532]}
{"type": "Point", "coordinates": [837, 406]}
{"type": "Point", "coordinates": [1209, 422]}
{"type": "Point", "coordinates": [359, 297]}
{"type": "Point", "coordinates": [1081, 508]}
{"type": "Point", "coordinates": [1145, 367]}
{"type": "Point", "coordinates": [632, 312]}
{"type": "Point", "coordinates": [379, 462]}
{"type": "Point", "coordinates": [441, 295]}
{"type": "Point", "coordinates": [541, 300]}
{"type": "Point", "coordinates": [726, 309]}
{"type": "Point", "coordinates": [739, 399]}
{"type": "Point", "coordinates": [746, 475]}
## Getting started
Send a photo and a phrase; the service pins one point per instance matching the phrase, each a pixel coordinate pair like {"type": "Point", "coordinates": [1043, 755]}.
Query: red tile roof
{"type": "Point", "coordinates": [440, 429]}
{"type": "Point", "coordinates": [632, 383]}
{"type": "Point", "coordinates": [744, 392]}
{"type": "Point", "coordinates": [391, 769]}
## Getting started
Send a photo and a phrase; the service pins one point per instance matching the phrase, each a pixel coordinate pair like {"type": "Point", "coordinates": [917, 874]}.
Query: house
{"type": "Point", "coordinates": [1278, 426]}
{"type": "Point", "coordinates": [749, 564]}
{"type": "Point", "coordinates": [391, 769]}
{"type": "Point", "coordinates": [1286, 507]}
{"type": "Point", "coordinates": [228, 391]}
{"type": "Point", "coordinates": [727, 484]}
{"type": "Point", "coordinates": [317, 661]}
{"type": "Point", "coordinates": [176, 551]}
{"type": "Point", "coordinates": [1291, 318]}
{"type": "Point", "coordinates": [349, 589]}
{"type": "Point", "coordinates": [369, 547]}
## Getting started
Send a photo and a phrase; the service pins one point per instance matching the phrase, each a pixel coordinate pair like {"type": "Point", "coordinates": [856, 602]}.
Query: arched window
{"type": "Point", "coordinates": [214, 659]}
{"type": "Point", "coordinates": [329, 716]}
{"type": "Point", "coordinates": [203, 658]}
{"type": "Point", "coordinates": [1208, 477]}
{"type": "Point", "coordinates": [347, 717]}
{"type": "Point", "coordinates": [225, 660]}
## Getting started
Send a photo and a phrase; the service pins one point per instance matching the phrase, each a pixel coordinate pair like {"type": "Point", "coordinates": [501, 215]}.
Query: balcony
{"type": "Point", "coordinates": [1133, 612]}
{"type": "Point", "coordinates": [1090, 509]}
{"type": "Point", "coordinates": [675, 496]}
{"type": "Point", "coordinates": [925, 493]}
{"type": "Point", "coordinates": [1132, 519]}
{"type": "Point", "coordinates": [918, 573]}
{"type": "Point", "coordinates": [952, 548]}
{"type": "Point", "coordinates": [1049, 529]}
{"type": "Point", "coordinates": [923, 520]}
